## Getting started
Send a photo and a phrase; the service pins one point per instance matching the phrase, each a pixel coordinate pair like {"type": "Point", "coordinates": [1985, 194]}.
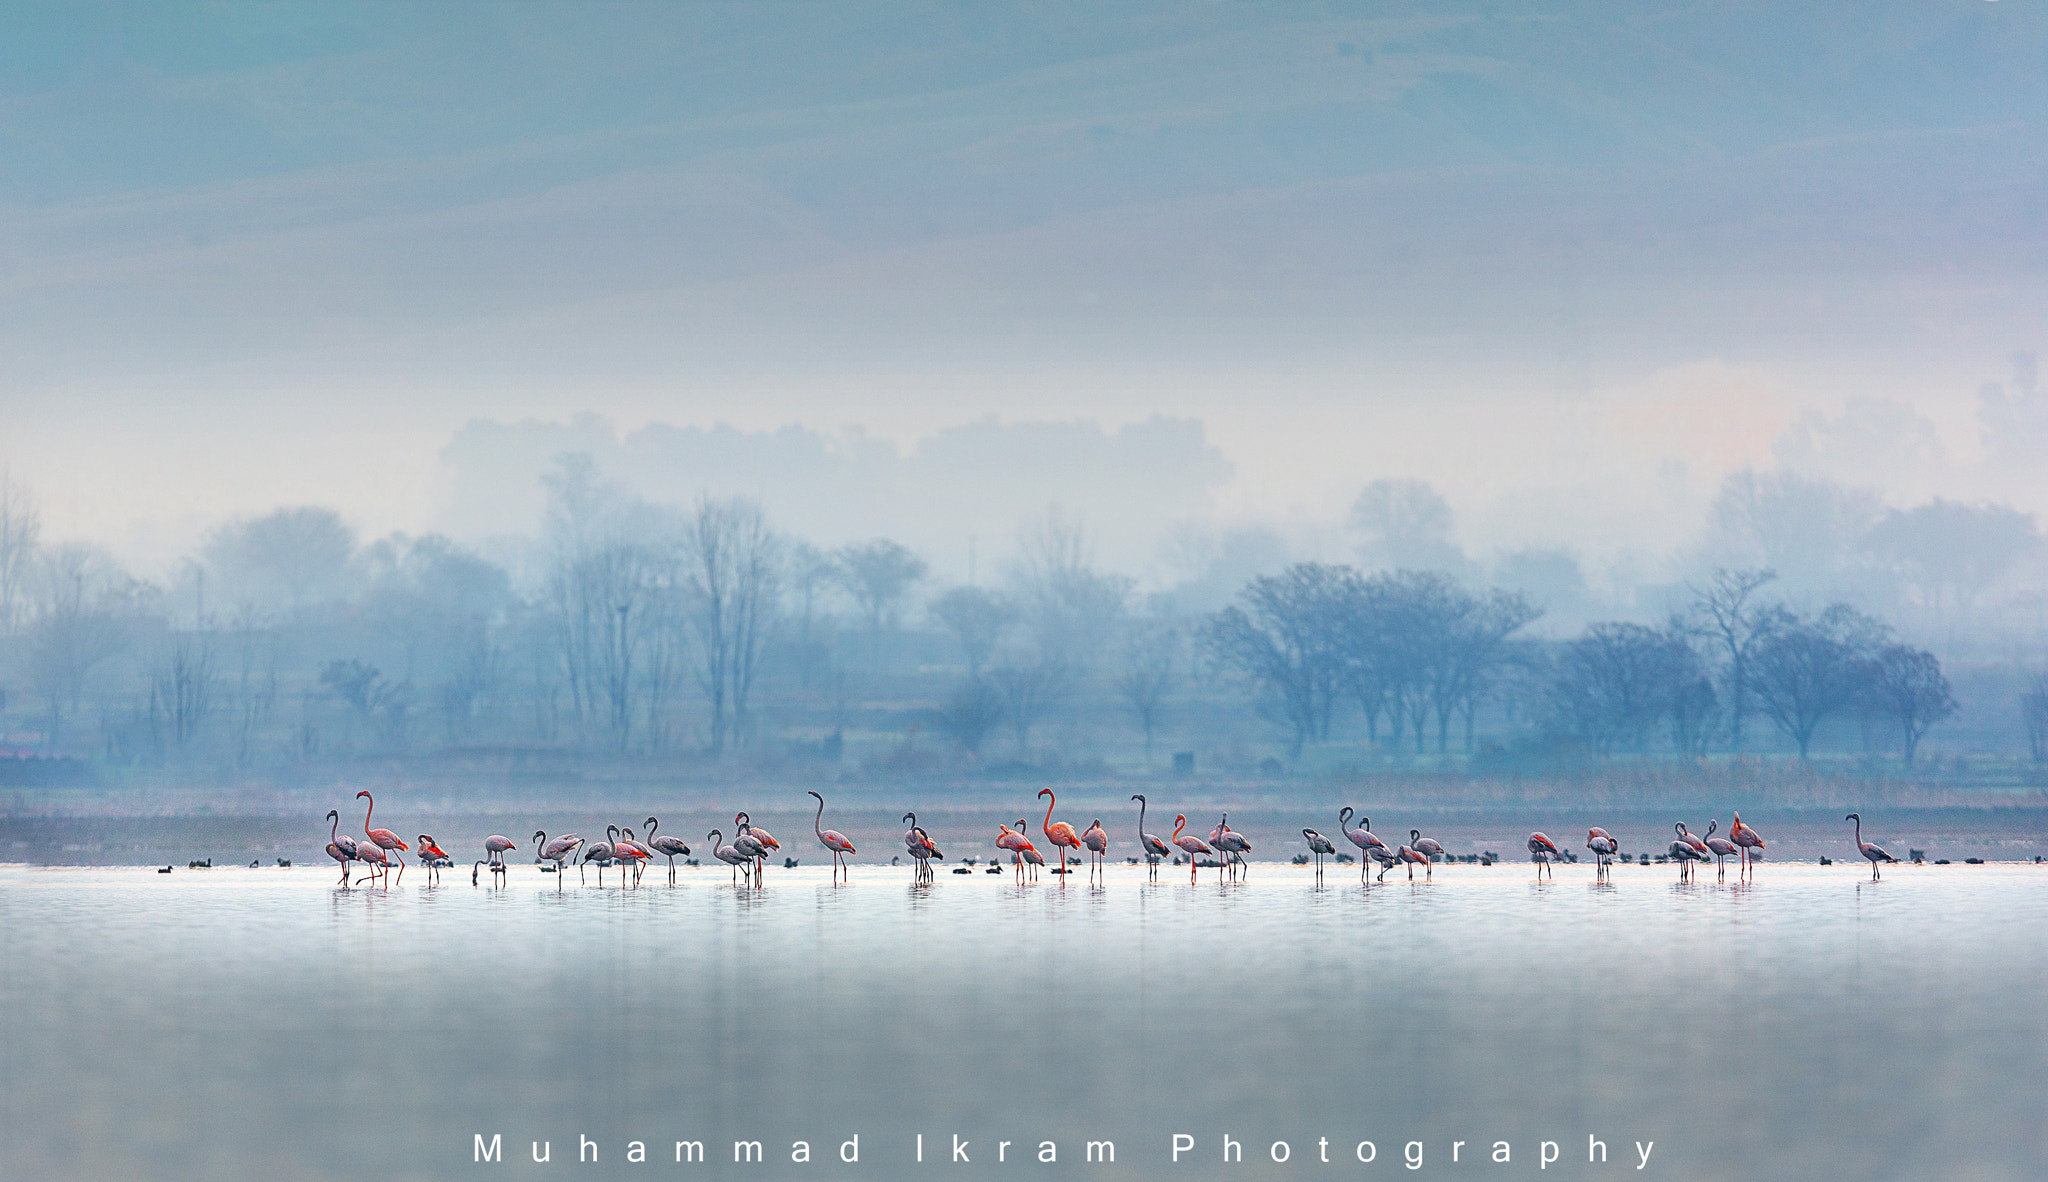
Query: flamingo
{"type": "Point", "coordinates": [1155, 849]}
{"type": "Point", "coordinates": [672, 846]}
{"type": "Point", "coordinates": [756, 853]}
{"type": "Point", "coordinates": [631, 852]}
{"type": "Point", "coordinates": [1875, 853]}
{"type": "Point", "coordinates": [1320, 845]}
{"type": "Point", "coordinates": [1426, 846]}
{"type": "Point", "coordinates": [1385, 857]}
{"type": "Point", "coordinates": [494, 848]}
{"type": "Point", "coordinates": [1368, 843]}
{"type": "Point", "coordinates": [1604, 848]}
{"type": "Point", "coordinates": [1684, 852]}
{"type": "Point", "coordinates": [1189, 842]}
{"type": "Point", "coordinates": [832, 840]}
{"type": "Point", "coordinates": [1699, 848]}
{"type": "Point", "coordinates": [1720, 847]}
{"type": "Point", "coordinates": [1232, 843]}
{"type": "Point", "coordinates": [1411, 855]}
{"type": "Point", "coordinates": [1541, 851]}
{"type": "Point", "coordinates": [931, 849]}
{"type": "Point", "coordinates": [599, 852]}
{"type": "Point", "coordinates": [556, 851]}
{"type": "Point", "coordinates": [1059, 833]}
{"type": "Point", "coordinates": [1097, 842]}
{"type": "Point", "coordinates": [433, 857]}
{"type": "Point", "coordinates": [745, 827]}
{"type": "Point", "coordinates": [385, 839]}
{"type": "Point", "coordinates": [1016, 842]}
{"type": "Point", "coordinates": [369, 853]}
{"type": "Point", "coordinates": [728, 855]}
{"type": "Point", "coordinates": [1750, 840]}
{"type": "Point", "coordinates": [1032, 858]}
{"type": "Point", "coordinates": [340, 846]}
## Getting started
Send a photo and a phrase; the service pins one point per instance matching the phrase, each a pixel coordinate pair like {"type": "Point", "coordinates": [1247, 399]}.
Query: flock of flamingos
{"type": "Point", "coordinates": [380, 849]}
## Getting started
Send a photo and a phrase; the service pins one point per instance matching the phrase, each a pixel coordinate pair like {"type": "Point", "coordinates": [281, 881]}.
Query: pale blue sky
{"type": "Point", "coordinates": [253, 254]}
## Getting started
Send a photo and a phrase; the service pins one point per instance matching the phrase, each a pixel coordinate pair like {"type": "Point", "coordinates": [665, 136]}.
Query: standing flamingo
{"type": "Point", "coordinates": [728, 855]}
{"type": "Point", "coordinates": [369, 853]}
{"type": "Point", "coordinates": [599, 852]}
{"type": "Point", "coordinates": [1413, 856]}
{"type": "Point", "coordinates": [750, 845]}
{"type": "Point", "coordinates": [632, 853]}
{"type": "Point", "coordinates": [1015, 841]}
{"type": "Point", "coordinates": [745, 828]}
{"type": "Point", "coordinates": [1684, 852]}
{"type": "Point", "coordinates": [494, 847]}
{"type": "Point", "coordinates": [673, 847]}
{"type": "Point", "coordinates": [556, 851]}
{"type": "Point", "coordinates": [1720, 847]}
{"type": "Point", "coordinates": [1699, 848]}
{"type": "Point", "coordinates": [340, 846]}
{"type": "Point", "coordinates": [1369, 844]}
{"type": "Point", "coordinates": [1604, 848]}
{"type": "Point", "coordinates": [433, 857]}
{"type": "Point", "coordinates": [1385, 857]}
{"type": "Point", "coordinates": [1875, 853]}
{"type": "Point", "coordinates": [1426, 846]}
{"type": "Point", "coordinates": [1059, 833]}
{"type": "Point", "coordinates": [1234, 845]}
{"type": "Point", "coordinates": [1189, 842]}
{"type": "Point", "coordinates": [1155, 849]}
{"type": "Point", "coordinates": [833, 840]}
{"type": "Point", "coordinates": [920, 845]}
{"type": "Point", "coordinates": [1097, 842]}
{"type": "Point", "coordinates": [1320, 845]}
{"type": "Point", "coordinates": [1541, 851]}
{"type": "Point", "coordinates": [1750, 840]}
{"type": "Point", "coordinates": [931, 850]}
{"type": "Point", "coordinates": [385, 839]}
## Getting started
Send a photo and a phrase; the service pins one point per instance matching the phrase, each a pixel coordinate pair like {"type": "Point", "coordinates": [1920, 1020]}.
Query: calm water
{"type": "Point", "coordinates": [239, 1023]}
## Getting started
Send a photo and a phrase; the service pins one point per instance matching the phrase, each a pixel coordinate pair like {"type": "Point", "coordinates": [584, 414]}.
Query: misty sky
{"type": "Point", "coordinates": [1571, 262]}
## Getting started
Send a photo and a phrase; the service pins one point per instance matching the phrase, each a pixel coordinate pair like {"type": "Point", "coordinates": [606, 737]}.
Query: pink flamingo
{"type": "Point", "coordinates": [1059, 833]}
{"type": "Point", "coordinates": [1369, 844]}
{"type": "Point", "coordinates": [1189, 842]}
{"type": "Point", "coordinates": [1016, 842]}
{"type": "Point", "coordinates": [1684, 852]}
{"type": "Point", "coordinates": [1541, 851]}
{"type": "Point", "coordinates": [1750, 840]}
{"type": "Point", "coordinates": [832, 840]}
{"type": "Point", "coordinates": [1412, 856]}
{"type": "Point", "coordinates": [1874, 853]}
{"type": "Point", "coordinates": [1604, 848]}
{"type": "Point", "coordinates": [385, 839]}
{"type": "Point", "coordinates": [921, 846]}
{"type": "Point", "coordinates": [433, 857]}
{"type": "Point", "coordinates": [494, 849]}
{"type": "Point", "coordinates": [1097, 842]}
{"type": "Point", "coordinates": [371, 854]}
{"type": "Point", "coordinates": [340, 846]}
{"type": "Point", "coordinates": [1156, 850]}
{"type": "Point", "coordinates": [631, 852]}
{"type": "Point", "coordinates": [1699, 847]}
{"type": "Point", "coordinates": [1426, 846]}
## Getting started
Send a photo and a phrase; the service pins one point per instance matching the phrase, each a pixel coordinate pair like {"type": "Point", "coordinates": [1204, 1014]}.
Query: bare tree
{"type": "Point", "coordinates": [1149, 654]}
{"type": "Point", "coordinates": [1614, 684]}
{"type": "Point", "coordinates": [297, 555]}
{"type": "Point", "coordinates": [811, 576]}
{"type": "Point", "coordinates": [181, 688]}
{"type": "Point", "coordinates": [21, 528]}
{"type": "Point", "coordinates": [977, 619]}
{"type": "Point", "coordinates": [879, 574]}
{"type": "Point", "coordinates": [84, 605]}
{"type": "Point", "coordinates": [1725, 613]}
{"type": "Point", "coordinates": [730, 564]}
{"type": "Point", "coordinates": [1906, 686]}
{"type": "Point", "coordinates": [1073, 609]}
{"type": "Point", "coordinates": [1286, 635]}
{"type": "Point", "coordinates": [1804, 671]}
{"type": "Point", "coordinates": [1028, 691]}
{"type": "Point", "coordinates": [967, 717]}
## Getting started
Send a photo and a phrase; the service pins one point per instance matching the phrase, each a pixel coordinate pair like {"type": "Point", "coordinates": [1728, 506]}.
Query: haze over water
{"type": "Point", "coordinates": [241, 1023]}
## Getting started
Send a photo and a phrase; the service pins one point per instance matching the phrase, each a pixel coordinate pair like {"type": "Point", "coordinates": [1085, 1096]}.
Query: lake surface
{"type": "Point", "coordinates": [238, 1023]}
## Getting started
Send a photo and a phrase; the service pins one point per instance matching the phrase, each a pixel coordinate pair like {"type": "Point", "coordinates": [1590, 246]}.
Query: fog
{"type": "Point", "coordinates": [411, 386]}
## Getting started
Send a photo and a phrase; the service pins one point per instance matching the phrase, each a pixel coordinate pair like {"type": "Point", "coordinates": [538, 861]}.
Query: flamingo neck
{"type": "Point", "coordinates": [817, 821]}
{"type": "Point", "coordinates": [1050, 800]}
